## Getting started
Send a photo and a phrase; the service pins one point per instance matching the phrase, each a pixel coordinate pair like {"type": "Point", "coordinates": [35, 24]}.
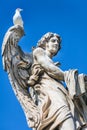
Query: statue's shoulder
{"type": "Point", "coordinates": [38, 51]}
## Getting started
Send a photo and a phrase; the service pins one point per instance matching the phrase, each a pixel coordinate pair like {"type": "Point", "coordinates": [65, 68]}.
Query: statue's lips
{"type": "Point", "coordinates": [55, 46]}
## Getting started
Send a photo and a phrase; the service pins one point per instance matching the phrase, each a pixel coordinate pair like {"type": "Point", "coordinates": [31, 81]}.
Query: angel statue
{"type": "Point", "coordinates": [38, 83]}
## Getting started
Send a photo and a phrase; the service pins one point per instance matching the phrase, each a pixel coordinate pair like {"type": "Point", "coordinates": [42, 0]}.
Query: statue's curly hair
{"type": "Point", "coordinates": [45, 39]}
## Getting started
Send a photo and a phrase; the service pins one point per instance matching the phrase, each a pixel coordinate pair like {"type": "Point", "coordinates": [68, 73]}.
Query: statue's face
{"type": "Point", "coordinates": [53, 45]}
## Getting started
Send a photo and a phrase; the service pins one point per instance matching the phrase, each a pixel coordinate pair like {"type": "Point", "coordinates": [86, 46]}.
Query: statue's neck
{"type": "Point", "coordinates": [49, 54]}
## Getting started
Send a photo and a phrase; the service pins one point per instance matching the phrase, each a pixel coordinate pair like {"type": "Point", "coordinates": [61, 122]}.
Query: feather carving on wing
{"type": "Point", "coordinates": [18, 64]}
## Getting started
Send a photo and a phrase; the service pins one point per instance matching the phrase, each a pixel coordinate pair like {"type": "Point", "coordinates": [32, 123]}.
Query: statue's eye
{"type": "Point", "coordinates": [53, 40]}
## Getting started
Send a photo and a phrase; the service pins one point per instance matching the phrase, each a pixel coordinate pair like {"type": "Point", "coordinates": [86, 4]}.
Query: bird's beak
{"type": "Point", "coordinates": [21, 9]}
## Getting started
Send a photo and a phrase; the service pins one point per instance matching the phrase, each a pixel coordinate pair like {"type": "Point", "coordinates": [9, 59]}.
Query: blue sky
{"type": "Point", "coordinates": [65, 17]}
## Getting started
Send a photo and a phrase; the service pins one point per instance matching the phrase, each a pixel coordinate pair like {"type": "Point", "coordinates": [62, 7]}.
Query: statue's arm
{"type": "Point", "coordinates": [48, 65]}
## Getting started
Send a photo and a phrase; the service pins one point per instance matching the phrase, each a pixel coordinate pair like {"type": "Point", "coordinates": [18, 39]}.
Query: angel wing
{"type": "Point", "coordinates": [17, 64]}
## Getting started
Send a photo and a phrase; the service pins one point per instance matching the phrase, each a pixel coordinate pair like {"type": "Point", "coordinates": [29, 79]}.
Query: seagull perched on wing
{"type": "Point", "coordinates": [17, 19]}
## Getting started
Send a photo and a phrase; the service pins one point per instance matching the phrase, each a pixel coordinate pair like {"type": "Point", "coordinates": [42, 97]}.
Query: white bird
{"type": "Point", "coordinates": [17, 19]}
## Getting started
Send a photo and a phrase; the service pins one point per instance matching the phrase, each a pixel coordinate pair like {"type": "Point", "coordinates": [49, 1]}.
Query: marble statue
{"type": "Point", "coordinates": [38, 83]}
